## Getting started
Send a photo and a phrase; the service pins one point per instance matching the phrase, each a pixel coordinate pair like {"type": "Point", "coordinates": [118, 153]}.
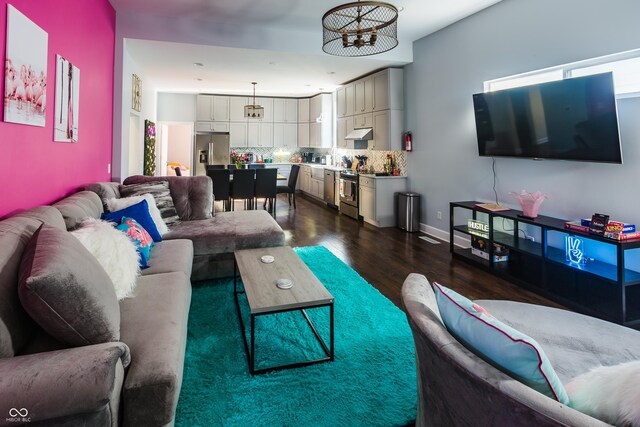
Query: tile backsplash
{"type": "Point", "coordinates": [376, 158]}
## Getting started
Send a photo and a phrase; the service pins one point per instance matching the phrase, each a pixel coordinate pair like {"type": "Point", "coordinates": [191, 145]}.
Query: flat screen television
{"type": "Point", "coordinates": [571, 119]}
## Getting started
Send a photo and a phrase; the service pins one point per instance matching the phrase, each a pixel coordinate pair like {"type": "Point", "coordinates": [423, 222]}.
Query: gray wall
{"type": "Point", "coordinates": [512, 37]}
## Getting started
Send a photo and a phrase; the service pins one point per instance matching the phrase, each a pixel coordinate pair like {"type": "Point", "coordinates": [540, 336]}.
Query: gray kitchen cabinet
{"type": "Point", "coordinates": [364, 95]}
{"type": "Point", "coordinates": [259, 134]}
{"type": "Point", "coordinates": [376, 202]}
{"type": "Point", "coordinates": [212, 126]}
{"type": "Point", "coordinates": [236, 108]}
{"type": "Point", "coordinates": [303, 110]}
{"type": "Point", "coordinates": [285, 110]}
{"type": "Point", "coordinates": [388, 89]}
{"type": "Point", "coordinates": [238, 134]}
{"type": "Point", "coordinates": [387, 130]}
{"type": "Point", "coordinates": [285, 135]}
{"type": "Point", "coordinates": [303, 134]}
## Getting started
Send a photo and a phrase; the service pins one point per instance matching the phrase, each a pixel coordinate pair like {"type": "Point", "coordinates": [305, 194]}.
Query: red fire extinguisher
{"type": "Point", "coordinates": [407, 141]}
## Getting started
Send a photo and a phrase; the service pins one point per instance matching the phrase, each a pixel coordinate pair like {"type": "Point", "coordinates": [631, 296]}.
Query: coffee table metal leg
{"type": "Point", "coordinates": [252, 359]}
{"type": "Point", "coordinates": [331, 335]}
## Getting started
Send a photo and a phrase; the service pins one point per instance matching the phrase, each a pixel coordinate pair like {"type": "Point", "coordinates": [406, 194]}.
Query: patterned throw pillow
{"type": "Point", "coordinates": [139, 236]}
{"type": "Point", "coordinates": [508, 349]}
{"type": "Point", "coordinates": [160, 192]}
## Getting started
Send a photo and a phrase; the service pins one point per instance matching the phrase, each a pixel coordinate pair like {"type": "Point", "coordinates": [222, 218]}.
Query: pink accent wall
{"type": "Point", "coordinates": [35, 170]}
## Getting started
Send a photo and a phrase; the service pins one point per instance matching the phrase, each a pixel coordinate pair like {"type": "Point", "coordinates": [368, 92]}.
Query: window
{"type": "Point", "coordinates": [626, 74]}
{"type": "Point", "coordinates": [625, 67]}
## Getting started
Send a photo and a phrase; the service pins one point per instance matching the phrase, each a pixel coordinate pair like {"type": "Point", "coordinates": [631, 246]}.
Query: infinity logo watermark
{"type": "Point", "coordinates": [18, 416]}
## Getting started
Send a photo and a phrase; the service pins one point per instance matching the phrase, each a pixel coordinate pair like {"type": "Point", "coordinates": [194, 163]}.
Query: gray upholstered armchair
{"type": "Point", "coordinates": [457, 388]}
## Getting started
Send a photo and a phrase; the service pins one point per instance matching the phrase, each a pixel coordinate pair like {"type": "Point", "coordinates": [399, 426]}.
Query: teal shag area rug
{"type": "Point", "coordinates": [372, 381]}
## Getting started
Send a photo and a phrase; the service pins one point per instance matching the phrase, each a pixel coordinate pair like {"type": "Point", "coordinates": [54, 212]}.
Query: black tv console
{"type": "Point", "coordinates": [603, 284]}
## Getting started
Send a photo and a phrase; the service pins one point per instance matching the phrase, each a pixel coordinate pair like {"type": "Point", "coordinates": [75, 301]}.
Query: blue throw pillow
{"type": "Point", "coordinates": [139, 236]}
{"type": "Point", "coordinates": [139, 212]}
{"type": "Point", "coordinates": [511, 351]}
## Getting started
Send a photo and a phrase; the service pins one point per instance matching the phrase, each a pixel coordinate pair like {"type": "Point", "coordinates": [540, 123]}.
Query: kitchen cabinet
{"type": "Point", "coordinates": [321, 127]}
{"type": "Point", "coordinates": [363, 121]}
{"type": "Point", "coordinates": [236, 108]}
{"type": "Point", "coordinates": [387, 130]}
{"type": "Point", "coordinates": [259, 134]}
{"type": "Point", "coordinates": [364, 95]}
{"type": "Point", "coordinates": [212, 108]}
{"type": "Point", "coordinates": [212, 126]}
{"type": "Point", "coordinates": [341, 132]}
{"type": "Point", "coordinates": [303, 110]}
{"type": "Point", "coordinates": [304, 179]}
{"type": "Point", "coordinates": [303, 134]}
{"type": "Point", "coordinates": [350, 99]}
{"type": "Point", "coordinates": [267, 103]}
{"type": "Point", "coordinates": [285, 135]}
{"type": "Point", "coordinates": [237, 134]}
{"type": "Point", "coordinates": [376, 198]}
{"type": "Point", "coordinates": [285, 110]}
{"type": "Point", "coordinates": [388, 89]}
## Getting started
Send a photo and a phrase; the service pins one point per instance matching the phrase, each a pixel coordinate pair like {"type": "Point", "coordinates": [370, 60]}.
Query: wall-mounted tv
{"type": "Point", "coordinates": [571, 119]}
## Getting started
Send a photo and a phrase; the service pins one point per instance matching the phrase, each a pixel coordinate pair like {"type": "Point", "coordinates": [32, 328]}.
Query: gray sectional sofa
{"type": "Point", "coordinates": [136, 381]}
{"type": "Point", "coordinates": [458, 388]}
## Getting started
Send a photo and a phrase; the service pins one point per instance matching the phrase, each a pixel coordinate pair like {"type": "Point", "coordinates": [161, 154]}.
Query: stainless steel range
{"type": "Point", "coordinates": [349, 193]}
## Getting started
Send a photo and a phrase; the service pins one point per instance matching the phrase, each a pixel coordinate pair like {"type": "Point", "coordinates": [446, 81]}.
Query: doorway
{"type": "Point", "coordinates": [176, 147]}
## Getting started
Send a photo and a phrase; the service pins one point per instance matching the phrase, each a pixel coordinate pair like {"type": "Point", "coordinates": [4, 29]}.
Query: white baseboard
{"type": "Point", "coordinates": [463, 242]}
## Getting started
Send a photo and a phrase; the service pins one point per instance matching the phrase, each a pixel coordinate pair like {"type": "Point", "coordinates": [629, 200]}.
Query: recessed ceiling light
{"type": "Point", "coordinates": [199, 80]}
{"type": "Point", "coordinates": [272, 63]}
{"type": "Point", "coordinates": [320, 88]}
{"type": "Point", "coordinates": [308, 85]}
{"type": "Point", "coordinates": [331, 72]}
{"type": "Point", "coordinates": [198, 64]}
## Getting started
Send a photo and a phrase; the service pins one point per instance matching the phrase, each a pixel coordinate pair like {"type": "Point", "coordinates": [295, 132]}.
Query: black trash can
{"type": "Point", "coordinates": [408, 211]}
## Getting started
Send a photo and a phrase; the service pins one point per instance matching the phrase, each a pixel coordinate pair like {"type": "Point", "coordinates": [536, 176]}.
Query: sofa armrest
{"type": "Point", "coordinates": [62, 383]}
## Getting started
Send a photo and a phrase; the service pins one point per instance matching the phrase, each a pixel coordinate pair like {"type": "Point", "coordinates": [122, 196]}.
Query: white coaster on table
{"type": "Point", "coordinates": [267, 259]}
{"type": "Point", "coordinates": [284, 283]}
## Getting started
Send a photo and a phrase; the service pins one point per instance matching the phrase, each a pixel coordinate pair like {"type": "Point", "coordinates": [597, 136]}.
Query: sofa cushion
{"type": "Point", "coordinates": [192, 195]}
{"type": "Point", "coordinates": [508, 349]}
{"type": "Point", "coordinates": [115, 252]}
{"type": "Point", "coordinates": [139, 237]}
{"type": "Point", "coordinates": [170, 256]}
{"type": "Point", "coordinates": [154, 326]}
{"type": "Point", "coordinates": [230, 231]}
{"type": "Point", "coordinates": [124, 202]}
{"type": "Point", "coordinates": [66, 291]}
{"type": "Point", "coordinates": [160, 192]}
{"type": "Point", "coordinates": [78, 207]}
{"type": "Point", "coordinates": [139, 212]}
{"type": "Point", "coordinates": [582, 343]}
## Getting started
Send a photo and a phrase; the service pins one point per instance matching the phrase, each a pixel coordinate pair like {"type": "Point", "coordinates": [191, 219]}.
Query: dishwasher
{"type": "Point", "coordinates": [330, 187]}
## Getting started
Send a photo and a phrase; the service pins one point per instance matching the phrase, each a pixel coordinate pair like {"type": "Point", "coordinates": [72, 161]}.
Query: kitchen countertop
{"type": "Point", "coordinates": [370, 175]}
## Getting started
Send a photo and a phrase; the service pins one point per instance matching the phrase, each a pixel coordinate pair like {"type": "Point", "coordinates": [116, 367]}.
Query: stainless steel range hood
{"type": "Point", "coordinates": [363, 134]}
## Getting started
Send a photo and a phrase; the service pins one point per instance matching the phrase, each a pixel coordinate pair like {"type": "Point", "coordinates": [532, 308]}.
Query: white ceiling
{"type": "Point", "coordinates": [277, 43]}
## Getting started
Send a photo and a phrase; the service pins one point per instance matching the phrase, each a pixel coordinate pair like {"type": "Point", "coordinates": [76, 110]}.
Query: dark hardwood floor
{"type": "Point", "coordinates": [385, 256]}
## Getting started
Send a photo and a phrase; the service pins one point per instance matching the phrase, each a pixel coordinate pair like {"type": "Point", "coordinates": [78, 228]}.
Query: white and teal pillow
{"type": "Point", "coordinates": [508, 349]}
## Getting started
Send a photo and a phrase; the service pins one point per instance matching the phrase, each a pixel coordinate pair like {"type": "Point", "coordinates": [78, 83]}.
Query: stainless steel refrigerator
{"type": "Point", "coordinates": [211, 149]}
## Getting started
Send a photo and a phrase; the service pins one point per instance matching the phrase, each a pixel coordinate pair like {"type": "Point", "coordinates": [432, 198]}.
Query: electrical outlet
{"type": "Point", "coordinates": [109, 168]}
{"type": "Point", "coordinates": [439, 215]}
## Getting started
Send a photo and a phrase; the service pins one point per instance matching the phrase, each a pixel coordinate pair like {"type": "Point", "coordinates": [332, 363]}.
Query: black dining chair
{"type": "Point", "coordinates": [243, 187]}
{"type": "Point", "coordinates": [221, 185]}
{"type": "Point", "coordinates": [178, 171]}
{"type": "Point", "coordinates": [266, 186]}
{"type": "Point", "coordinates": [290, 188]}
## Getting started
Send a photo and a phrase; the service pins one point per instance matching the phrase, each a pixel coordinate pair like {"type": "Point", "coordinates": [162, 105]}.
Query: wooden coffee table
{"type": "Point", "coordinates": [265, 297]}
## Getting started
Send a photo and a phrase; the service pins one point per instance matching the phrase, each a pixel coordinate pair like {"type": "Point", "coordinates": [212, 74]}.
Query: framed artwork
{"type": "Point", "coordinates": [136, 92]}
{"type": "Point", "coordinates": [65, 127]}
{"type": "Point", "coordinates": [25, 70]}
